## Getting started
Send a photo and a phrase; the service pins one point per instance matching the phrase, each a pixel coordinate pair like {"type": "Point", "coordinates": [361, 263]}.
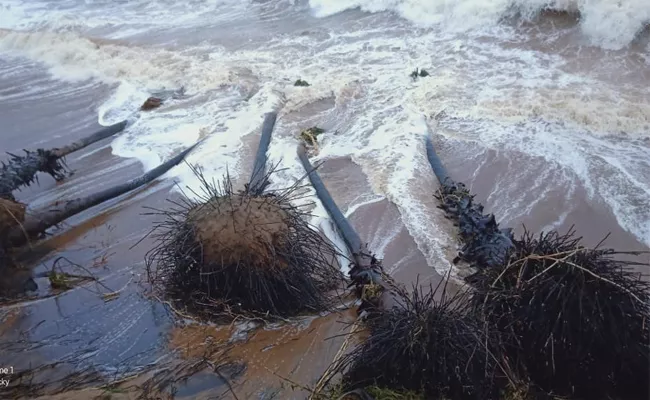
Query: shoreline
{"type": "Point", "coordinates": [131, 323]}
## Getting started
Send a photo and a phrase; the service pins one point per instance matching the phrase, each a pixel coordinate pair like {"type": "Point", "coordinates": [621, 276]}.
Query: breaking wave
{"type": "Point", "coordinates": [607, 23]}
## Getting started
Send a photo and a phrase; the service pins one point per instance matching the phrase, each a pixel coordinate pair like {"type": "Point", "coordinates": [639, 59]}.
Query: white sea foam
{"type": "Point", "coordinates": [612, 24]}
{"type": "Point", "coordinates": [74, 57]}
{"type": "Point", "coordinates": [133, 16]}
{"type": "Point", "coordinates": [403, 176]}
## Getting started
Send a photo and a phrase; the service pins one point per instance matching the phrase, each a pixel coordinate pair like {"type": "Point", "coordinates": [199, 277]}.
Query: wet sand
{"type": "Point", "coordinates": [591, 219]}
{"type": "Point", "coordinates": [134, 329]}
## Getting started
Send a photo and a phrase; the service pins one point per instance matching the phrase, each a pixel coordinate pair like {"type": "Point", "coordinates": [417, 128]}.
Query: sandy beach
{"type": "Point", "coordinates": [547, 128]}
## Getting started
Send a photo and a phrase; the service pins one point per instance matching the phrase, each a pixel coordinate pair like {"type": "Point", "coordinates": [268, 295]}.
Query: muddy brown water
{"type": "Point", "coordinates": [134, 330]}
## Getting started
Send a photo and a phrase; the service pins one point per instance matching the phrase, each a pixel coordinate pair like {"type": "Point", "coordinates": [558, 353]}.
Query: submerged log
{"type": "Point", "coordinates": [21, 170]}
{"type": "Point", "coordinates": [39, 221]}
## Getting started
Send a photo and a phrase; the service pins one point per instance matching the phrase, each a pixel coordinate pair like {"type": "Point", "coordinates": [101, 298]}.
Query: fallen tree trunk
{"type": "Point", "coordinates": [259, 176]}
{"type": "Point", "coordinates": [350, 237]}
{"type": "Point", "coordinates": [565, 316]}
{"type": "Point", "coordinates": [366, 270]}
{"type": "Point", "coordinates": [414, 342]}
{"type": "Point", "coordinates": [21, 170]}
{"type": "Point", "coordinates": [484, 244]}
{"type": "Point", "coordinates": [88, 140]}
{"type": "Point", "coordinates": [40, 221]}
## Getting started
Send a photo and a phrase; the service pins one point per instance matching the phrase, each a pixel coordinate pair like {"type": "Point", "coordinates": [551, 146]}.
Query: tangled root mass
{"type": "Point", "coordinates": [575, 320]}
{"type": "Point", "coordinates": [242, 253]}
{"type": "Point", "coordinates": [431, 347]}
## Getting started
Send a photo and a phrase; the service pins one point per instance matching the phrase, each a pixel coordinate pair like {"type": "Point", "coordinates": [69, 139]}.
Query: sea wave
{"type": "Point", "coordinates": [609, 24]}
{"type": "Point", "coordinates": [582, 110]}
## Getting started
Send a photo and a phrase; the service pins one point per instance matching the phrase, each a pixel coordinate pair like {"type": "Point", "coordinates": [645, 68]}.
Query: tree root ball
{"type": "Point", "coordinates": [232, 254]}
{"type": "Point", "coordinates": [574, 320]}
{"type": "Point", "coordinates": [425, 346]}
{"type": "Point", "coordinates": [11, 215]}
{"type": "Point", "coordinates": [13, 280]}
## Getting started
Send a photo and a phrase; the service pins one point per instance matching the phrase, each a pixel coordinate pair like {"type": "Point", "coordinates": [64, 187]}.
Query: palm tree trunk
{"type": "Point", "coordinates": [88, 140]}
{"type": "Point", "coordinates": [367, 269]}
{"type": "Point", "coordinates": [21, 170]}
{"type": "Point", "coordinates": [40, 221]}
{"type": "Point", "coordinates": [484, 243]}
{"type": "Point", "coordinates": [350, 236]}
{"type": "Point", "coordinates": [259, 181]}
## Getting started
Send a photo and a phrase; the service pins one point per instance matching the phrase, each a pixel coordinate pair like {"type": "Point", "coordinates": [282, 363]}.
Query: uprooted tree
{"type": "Point", "coordinates": [571, 319]}
{"type": "Point", "coordinates": [431, 349]}
{"type": "Point", "coordinates": [21, 171]}
{"type": "Point", "coordinates": [18, 227]}
{"type": "Point", "coordinates": [250, 252]}
{"type": "Point", "coordinates": [543, 317]}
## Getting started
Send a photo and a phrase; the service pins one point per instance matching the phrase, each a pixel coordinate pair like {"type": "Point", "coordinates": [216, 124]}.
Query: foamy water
{"type": "Point", "coordinates": [612, 24]}
{"type": "Point", "coordinates": [572, 98]}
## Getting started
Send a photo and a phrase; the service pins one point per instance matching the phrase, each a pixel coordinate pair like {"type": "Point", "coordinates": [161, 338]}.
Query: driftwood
{"type": "Point", "coordinates": [21, 171]}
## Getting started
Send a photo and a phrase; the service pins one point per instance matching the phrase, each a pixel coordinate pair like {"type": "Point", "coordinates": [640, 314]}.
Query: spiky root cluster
{"type": "Point", "coordinates": [242, 253]}
{"type": "Point", "coordinates": [21, 171]}
{"type": "Point", "coordinates": [428, 346]}
{"type": "Point", "coordinates": [572, 320]}
{"type": "Point", "coordinates": [575, 320]}
{"type": "Point", "coordinates": [546, 318]}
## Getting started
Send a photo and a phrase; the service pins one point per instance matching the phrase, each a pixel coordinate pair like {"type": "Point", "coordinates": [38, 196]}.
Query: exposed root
{"type": "Point", "coordinates": [241, 253]}
{"type": "Point", "coordinates": [575, 320]}
{"type": "Point", "coordinates": [12, 215]}
{"type": "Point", "coordinates": [13, 279]}
{"type": "Point", "coordinates": [424, 346]}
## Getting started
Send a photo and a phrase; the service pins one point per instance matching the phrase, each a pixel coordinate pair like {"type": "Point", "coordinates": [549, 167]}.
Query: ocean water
{"type": "Point", "coordinates": [552, 95]}
{"type": "Point", "coordinates": [542, 107]}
